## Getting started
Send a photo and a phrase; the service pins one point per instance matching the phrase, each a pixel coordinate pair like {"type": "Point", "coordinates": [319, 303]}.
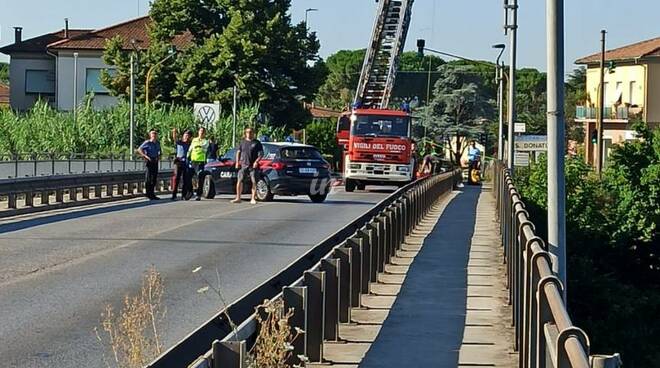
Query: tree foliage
{"type": "Point", "coordinates": [4, 73]}
{"type": "Point", "coordinates": [612, 244]}
{"type": "Point", "coordinates": [251, 44]}
{"type": "Point", "coordinates": [459, 106]}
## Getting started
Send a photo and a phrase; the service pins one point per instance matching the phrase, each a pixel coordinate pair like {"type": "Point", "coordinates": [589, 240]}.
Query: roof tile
{"type": "Point", "coordinates": [648, 48]}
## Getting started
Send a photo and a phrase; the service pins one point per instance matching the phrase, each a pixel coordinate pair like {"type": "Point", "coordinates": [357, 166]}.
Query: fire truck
{"type": "Point", "coordinates": [376, 140]}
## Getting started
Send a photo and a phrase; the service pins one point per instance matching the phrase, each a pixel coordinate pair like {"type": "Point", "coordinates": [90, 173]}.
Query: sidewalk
{"type": "Point", "coordinates": [442, 303]}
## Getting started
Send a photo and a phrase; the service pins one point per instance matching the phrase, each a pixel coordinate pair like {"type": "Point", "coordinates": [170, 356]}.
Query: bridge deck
{"type": "Point", "coordinates": [443, 303]}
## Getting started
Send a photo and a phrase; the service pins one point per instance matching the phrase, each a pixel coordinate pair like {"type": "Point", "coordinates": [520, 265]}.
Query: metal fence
{"type": "Point", "coordinates": [28, 195]}
{"type": "Point", "coordinates": [46, 164]}
{"type": "Point", "coordinates": [321, 286]}
{"type": "Point", "coordinates": [544, 333]}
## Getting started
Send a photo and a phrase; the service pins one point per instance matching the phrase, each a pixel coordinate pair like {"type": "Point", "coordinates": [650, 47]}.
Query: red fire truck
{"type": "Point", "coordinates": [376, 140]}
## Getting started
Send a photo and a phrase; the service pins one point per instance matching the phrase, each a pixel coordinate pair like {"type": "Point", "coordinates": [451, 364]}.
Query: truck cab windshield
{"type": "Point", "coordinates": [381, 126]}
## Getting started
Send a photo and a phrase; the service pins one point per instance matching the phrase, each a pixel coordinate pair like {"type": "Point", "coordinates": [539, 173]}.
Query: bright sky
{"type": "Point", "coordinates": [463, 27]}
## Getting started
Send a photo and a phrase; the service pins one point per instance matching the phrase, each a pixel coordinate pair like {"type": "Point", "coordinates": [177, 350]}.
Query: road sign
{"type": "Point", "coordinates": [519, 128]}
{"type": "Point", "coordinates": [531, 143]}
{"type": "Point", "coordinates": [207, 113]}
{"type": "Point", "coordinates": [521, 159]}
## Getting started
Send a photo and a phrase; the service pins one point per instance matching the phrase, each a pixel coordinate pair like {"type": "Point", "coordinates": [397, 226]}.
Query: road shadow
{"type": "Point", "coordinates": [425, 325]}
{"type": "Point", "coordinates": [49, 219]}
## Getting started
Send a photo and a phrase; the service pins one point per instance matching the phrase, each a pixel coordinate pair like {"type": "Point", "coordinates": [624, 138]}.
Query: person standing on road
{"type": "Point", "coordinates": [150, 151]}
{"type": "Point", "coordinates": [474, 155]}
{"type": "Point", "coordinates": [181, 170]}
{"type": "Point", "coordinates": [197, 158]}
{"type": "Point", "coordinates": [249, 152]}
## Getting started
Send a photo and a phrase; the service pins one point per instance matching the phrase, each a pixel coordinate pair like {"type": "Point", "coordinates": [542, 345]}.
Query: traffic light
{"type": "Point", "coordinates": [421, 44]}
{"type": "Point", "coordinates": [483, 138]}
{"type": "Point", "coordinates": [594, 136]}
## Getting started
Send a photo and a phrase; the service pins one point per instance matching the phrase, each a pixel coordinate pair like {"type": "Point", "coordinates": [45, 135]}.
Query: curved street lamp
{"type": "Point", "coordinates": [170, 53]}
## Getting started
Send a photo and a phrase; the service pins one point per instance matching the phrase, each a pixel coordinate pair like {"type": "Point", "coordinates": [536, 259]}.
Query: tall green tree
{"type": "Point", "coordinates": [4, 73]}
{"type": "Point", "coordinates": [576, 95]}
{"type": "Point", "coordinates": [459, 107]}
{"type": "Point", "coordinates": [338, 89]}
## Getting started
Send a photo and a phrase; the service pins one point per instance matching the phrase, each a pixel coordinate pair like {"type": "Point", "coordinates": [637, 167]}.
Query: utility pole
{"type": "Point", "coordinates": [601, 108]}
{"type": "Point", "coordinates": [556, 136]}
{"type": "Point", "coordinates": [233, 117]}
{"type": "Point", "coordinates": [499, 78]}
{"type": "Point", "coordinates": [75, 87]}
{"type": "Point", "coordinates": [512, 29]}
{"type": "Point", "coordinates": [132, 113]}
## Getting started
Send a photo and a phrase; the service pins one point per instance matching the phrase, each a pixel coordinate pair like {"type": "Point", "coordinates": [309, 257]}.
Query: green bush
{"type": "Point", "coordinates": [612, 245]}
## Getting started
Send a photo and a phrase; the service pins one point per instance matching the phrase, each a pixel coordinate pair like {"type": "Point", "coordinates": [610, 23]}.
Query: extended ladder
{"type": "Point", "coordinates": [382, 58]}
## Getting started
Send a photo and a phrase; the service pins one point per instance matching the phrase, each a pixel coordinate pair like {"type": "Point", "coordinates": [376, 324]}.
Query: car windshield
{"type": "Point", "coordinates": [390, 126]}
{"type": "Point", "coordinates": [231, 154]}
{"type": "Point", "coordinates": [300, 153]}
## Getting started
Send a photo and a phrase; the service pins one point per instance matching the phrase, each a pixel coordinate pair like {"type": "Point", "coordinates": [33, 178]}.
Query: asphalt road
{"type": "Point", "coordinates": [58, 270]}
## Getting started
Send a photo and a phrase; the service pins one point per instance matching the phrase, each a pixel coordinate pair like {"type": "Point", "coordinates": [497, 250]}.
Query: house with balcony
{"type": "Point", "coordinates": [63, 67]}
{"type": "Point", "coordinates": [632, 93]}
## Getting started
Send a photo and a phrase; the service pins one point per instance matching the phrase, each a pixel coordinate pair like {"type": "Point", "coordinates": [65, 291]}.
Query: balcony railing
{"type": "Point", "coordinates": [611, 112]}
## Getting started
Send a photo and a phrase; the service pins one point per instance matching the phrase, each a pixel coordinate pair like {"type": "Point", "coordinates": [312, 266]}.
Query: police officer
{"type": "Point", "coordinates": [150, 151]}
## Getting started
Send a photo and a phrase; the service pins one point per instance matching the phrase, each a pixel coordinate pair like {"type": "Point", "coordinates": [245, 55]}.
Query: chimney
{"type": "Point", "coordinates": [66, 27]}
{"type": "Point", "coordinates": [18, 34]}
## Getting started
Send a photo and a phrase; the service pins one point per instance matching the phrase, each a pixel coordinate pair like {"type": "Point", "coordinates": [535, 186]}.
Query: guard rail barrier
{"type": "Point", "coordinates": [545, 336]}
{"type": "Point", "coordinates": [28, 195]}
{"type": "Point", "coordinates": [321, 286]}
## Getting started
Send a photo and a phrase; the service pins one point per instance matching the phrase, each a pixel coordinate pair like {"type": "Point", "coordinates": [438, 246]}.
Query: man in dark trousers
{"type": "Point", "coordinates": [181, 170]}
{"type": "Point", "coordinates": [249, 152]}
{"type": "Point", "coordinates": [150, 151]}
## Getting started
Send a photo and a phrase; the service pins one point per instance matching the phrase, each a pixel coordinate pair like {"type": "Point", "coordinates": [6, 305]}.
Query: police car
{"type": "Point", "coordinates": [286, 169]}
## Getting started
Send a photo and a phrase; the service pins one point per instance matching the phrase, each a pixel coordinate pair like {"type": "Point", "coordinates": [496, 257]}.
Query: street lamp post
{"type": "Point", "coordinates": [131, 141]}
{"type": "Point", "coordinates": [499, 75]}
{"type": "Point", "coordinates": [512, 30]}
{"type": "Point", "coordinates": [171, 54]}
{"type": "Point", "coordinates": [556, 136]}
{"type": "Point", "coordinates": [75, 86]}
{"type": "Point", "coordinates": [307, 11]}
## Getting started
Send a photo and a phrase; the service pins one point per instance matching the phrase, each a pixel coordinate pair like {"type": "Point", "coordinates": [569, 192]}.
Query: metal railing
{"type": "Point", "coordinates": [46, 164]}
{"type": "Point", "coordinates": [321, 286]}
{"type": "Point", "coordinates": [611, 112]}
{"type": "Point", "coordinates": [544, 333]}
{"type": "Point", "coordinates": [28, 195]}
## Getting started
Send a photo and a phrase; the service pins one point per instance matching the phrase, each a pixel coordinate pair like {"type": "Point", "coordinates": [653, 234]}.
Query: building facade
{"type": "Point", "coordinates": [631, 90]}
{"type": "Point", "coordinates": [64, 67]}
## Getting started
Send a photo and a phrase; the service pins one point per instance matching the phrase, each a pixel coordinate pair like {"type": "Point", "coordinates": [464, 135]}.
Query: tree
{"type": "Point", "coordinates": [338, 89]}
{"type": "Point", "coordinates": [576, 95]}
{"type": "Point", "coordinates": [4, 73]}
{"type": "Point", "coordinates": [251, 44]}
{"type": "Point", "coordinates": [459, 106]}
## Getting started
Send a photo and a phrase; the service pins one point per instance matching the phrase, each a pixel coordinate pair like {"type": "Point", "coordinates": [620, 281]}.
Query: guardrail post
{"type": "Point", "coordinates": [373, 227]}
{"type": "Point", "coordinates": [381, 222]}
{"type": "Point", "coordinates": [544, 316]}
{"type": "Point", "coordinates": [98, 193]}
{"type": "Point", "coordinates": [315, 283]}
{"type": "Point", "coordinates": [331, 298]}
{"type": "Point", "coordinates": [356, 270]}
{"type": "Point", "coordinates": [85, 192]}
{"type": "Point", "coordinates": [229, 354]}
{"type": "Point", "coordinates": [344, 256]}
{"type": "Point", "coordinates": [45, 197]}
{"type": "Point", "coordinates": [73, 194]}
{"type": "Point", "coordinates": [605, 361]}
{"type": "Point", "coordinates": [295, 297]}
{"type": "Point", "coordinates": [29, 199]}
{"type": "Point", "coordinates": [364, 235]}
{"type": "Point", "coordinates": [11, 200]}
{"type": "Point", "coordinates": [562, 355]}
{"type": "Point", "coordinates": [59, 195]}
{"type": "Point", "coordinates": [390, 233]}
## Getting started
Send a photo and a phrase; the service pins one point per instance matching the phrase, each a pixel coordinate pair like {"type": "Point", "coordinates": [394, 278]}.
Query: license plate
{"type": "Point", "coordinates": [307, 170]}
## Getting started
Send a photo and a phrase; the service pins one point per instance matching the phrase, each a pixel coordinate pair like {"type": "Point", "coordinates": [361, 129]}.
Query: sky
{"type": "Point", "coordinates": [464, 27]}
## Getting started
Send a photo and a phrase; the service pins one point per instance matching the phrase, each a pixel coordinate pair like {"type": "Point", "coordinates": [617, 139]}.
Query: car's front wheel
{"type": "Point", "coordinates": [208, 191]}
{"type": "Point", "coordinates": [263, 191]}
{"type": "Point", "coordinates": [318, 198]}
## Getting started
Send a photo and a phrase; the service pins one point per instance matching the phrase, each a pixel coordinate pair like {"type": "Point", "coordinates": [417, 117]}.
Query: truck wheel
{"type": "Point", "coordinates": [318, 198]}
{"type": "Point", "coordinates": [263, 191]}
{"type": "Point", "coordinates": [361, 186]}
{"type": "Point", "coordinates": [208, 191]}
{"type": "Point", "coordinates": [350, 185]}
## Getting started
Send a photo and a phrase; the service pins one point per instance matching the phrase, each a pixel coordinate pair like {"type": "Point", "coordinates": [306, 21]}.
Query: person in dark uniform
{"type": "Point", "coordinates": [150, 151]}
{"type": "Point", "coordinates": [181, 170]}
{"type": "Point", "coordinates": [249, 152]}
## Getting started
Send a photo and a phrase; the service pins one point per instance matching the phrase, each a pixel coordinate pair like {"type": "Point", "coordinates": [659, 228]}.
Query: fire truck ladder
{"type": "Point", "coordinates": [382, 59]}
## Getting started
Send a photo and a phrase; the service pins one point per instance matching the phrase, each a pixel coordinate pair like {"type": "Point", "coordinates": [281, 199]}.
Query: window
{"type": "Point", "coordinates": [298, 153]}
{"type": "Point", "coordinates": [93, 81]}
{"type": "Point", "coordinates": [40, 82]}
{"type": "Point", "coordinates": [374, 125]}
{"type": "Point", "coordinates": [631, 96]}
